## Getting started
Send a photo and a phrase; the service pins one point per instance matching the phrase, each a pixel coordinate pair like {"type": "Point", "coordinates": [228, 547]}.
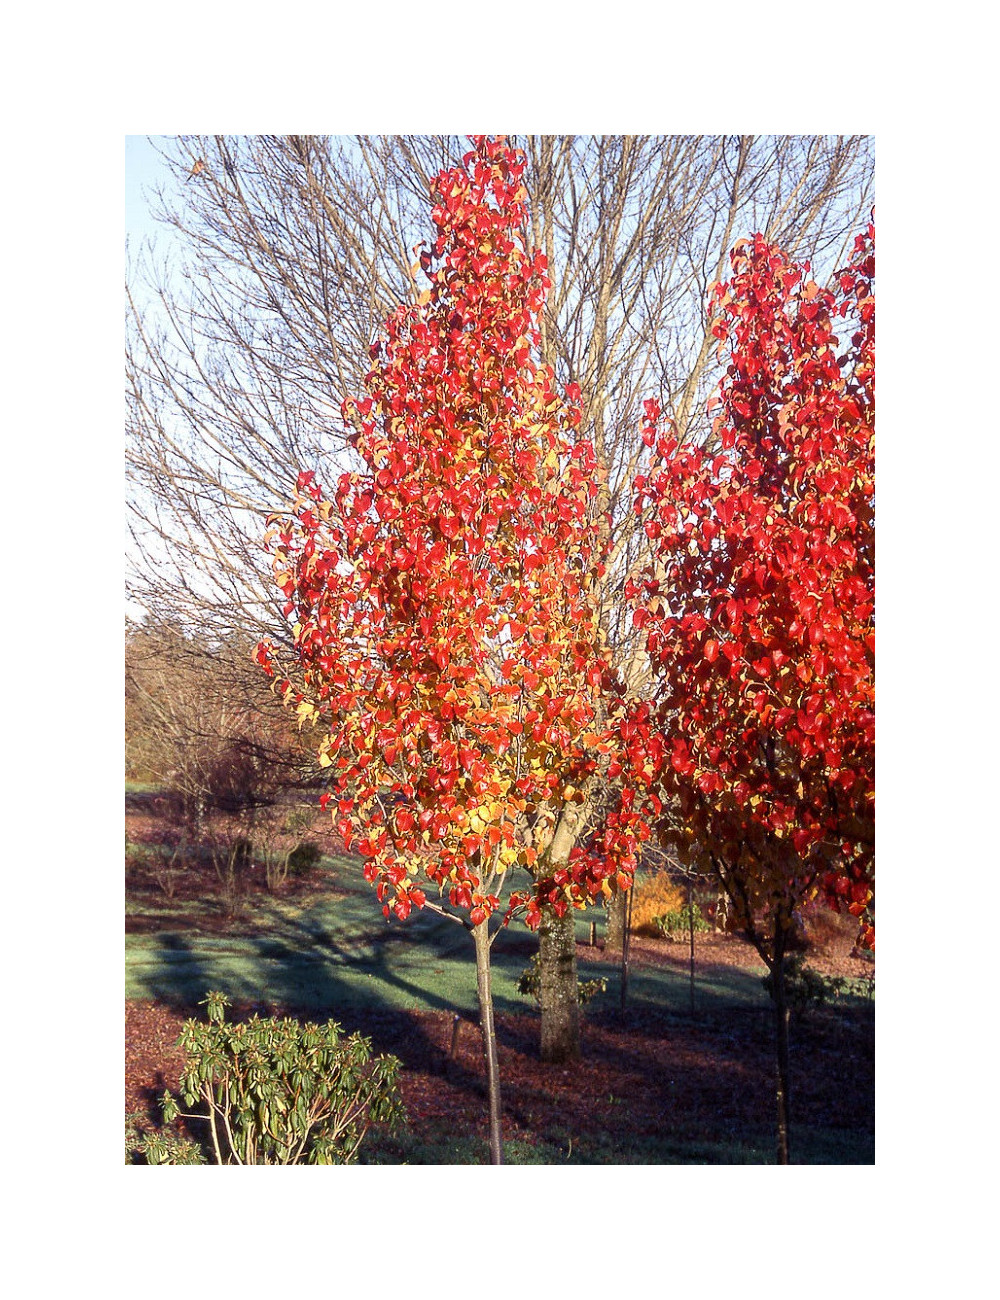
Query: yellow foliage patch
{"type": "Point", "coordinates": [652, 896]}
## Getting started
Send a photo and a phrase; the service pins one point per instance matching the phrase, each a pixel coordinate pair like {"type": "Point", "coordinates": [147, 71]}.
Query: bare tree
{"type": "Point", "coordinates": [200, 722]}
{"type": "Point", "coordinates": [295, 249]}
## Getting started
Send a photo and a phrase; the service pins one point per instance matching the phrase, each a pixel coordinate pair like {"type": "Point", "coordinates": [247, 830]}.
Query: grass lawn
{"type": "Point", "coordinates": [655, 1086]}
{"type": "Point", "coordinates": [333, 950]}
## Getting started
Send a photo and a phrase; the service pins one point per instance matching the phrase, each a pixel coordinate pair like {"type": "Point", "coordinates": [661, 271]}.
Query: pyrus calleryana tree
{"type": "Point", "coordinates": [447, 636]}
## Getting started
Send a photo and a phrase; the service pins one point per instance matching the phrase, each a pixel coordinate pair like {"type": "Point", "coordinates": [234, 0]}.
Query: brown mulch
{"type": "Point", "coordinates": [708, 1077]}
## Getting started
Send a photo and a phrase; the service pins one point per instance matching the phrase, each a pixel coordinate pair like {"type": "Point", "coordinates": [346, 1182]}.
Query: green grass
{"type": "Point", "coordinates": [334, 950]}
{"type": "Point", "coordinates": [330, 952]}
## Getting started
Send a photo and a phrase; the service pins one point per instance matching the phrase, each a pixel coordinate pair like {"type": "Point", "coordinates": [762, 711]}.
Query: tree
{"type": "Point", "coordinates": [445, 627]}
{"type": "Point", "coordinates": [758, 612]}
{"type": "Point", "coordinates": [295, 248]}
{"type": "Point", "coordinates": [198, 722]}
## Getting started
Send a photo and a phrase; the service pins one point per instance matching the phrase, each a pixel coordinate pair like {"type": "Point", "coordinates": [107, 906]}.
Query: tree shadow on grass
{"type": "Point", "coordinates": [354, 969]}
{"type": "Point", "coordinates": [337, 959]}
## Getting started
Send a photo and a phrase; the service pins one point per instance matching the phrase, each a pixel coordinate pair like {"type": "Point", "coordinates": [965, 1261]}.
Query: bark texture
{"type": "Point", "coordinates": [559, 992]}
{"type": "Point", "coordinates": [614, 934]}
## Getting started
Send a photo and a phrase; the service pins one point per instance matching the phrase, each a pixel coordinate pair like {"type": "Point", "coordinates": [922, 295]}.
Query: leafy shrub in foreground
{"type": "Point", "coordinates": [161, 1147]}
{"type": "Point", "coordinates": [276, 1092]}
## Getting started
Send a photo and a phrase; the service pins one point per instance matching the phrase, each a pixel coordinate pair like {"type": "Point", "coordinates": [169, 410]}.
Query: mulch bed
{"type": "Point", "coordinates": [638, 1071]}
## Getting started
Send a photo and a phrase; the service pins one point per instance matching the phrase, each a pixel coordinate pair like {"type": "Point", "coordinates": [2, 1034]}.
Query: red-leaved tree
{"type": "Point", "coordinates": [447, 637]}
{"type": "Point", "coordinates": [759, 608]}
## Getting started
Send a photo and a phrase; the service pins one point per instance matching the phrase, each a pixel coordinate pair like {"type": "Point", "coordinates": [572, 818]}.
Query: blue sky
{"type": "Point", "coordinates": [143, 169]}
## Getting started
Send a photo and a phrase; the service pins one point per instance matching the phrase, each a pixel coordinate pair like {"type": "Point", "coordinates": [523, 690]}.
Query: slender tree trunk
{"type": "Point", "coordinates": [480, 934]}
{"type": "Point", "coordinates": [559, 991]}
{"type": "Point", "coordinates": [626, 942]}
{"type": "Point", "coordinates": [690, 894]}
{"type": "Point", "coordinates": [781, 1044]}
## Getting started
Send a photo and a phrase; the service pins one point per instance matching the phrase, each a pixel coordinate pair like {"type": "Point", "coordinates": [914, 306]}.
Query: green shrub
{"type": "Point", "coordinates": [674, 925]}
{"type": "Point", "coordinates": [303, 858]}
{"type": "Point", "coordinates": [137, 857]}
{"type": "Point", "coordinates": [276, 1092]}
{"type": "Point", "coordinates": [530, 984]}
{"type": "Point", "coordinates": [806, 988]}
{"type": "Point", "coordinates": [161, 1147]}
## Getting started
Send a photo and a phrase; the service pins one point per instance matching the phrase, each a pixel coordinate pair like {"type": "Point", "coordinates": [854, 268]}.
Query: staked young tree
{"type": "Point", "coordinates": [446, 632]}
{"type": "Point", "coordinates": [291, 252]}
{"type": "Point", "coordinates": [758, 608]}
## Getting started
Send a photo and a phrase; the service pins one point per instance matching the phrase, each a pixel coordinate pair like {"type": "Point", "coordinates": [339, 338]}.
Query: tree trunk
{"type": "Point", "coordinates": [690, 897]}
{"type": "Point", "coordinates": [614, 934]}
{"type": "Point", "coordinates": [480, 934]}
{"type": "Point", "coordinates": [559, 990]}
{"type": "Point", "coordinates": [781, 1045]}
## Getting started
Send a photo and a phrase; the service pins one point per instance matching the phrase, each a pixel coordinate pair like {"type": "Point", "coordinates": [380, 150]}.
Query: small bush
{"type": "Point", "coordinates": [303, 858]}
{"type": "Point", "coordinates": [235, 774]}
{"type": "Point", "coordinates": [652, 896]}
{"type": "Point", "coordinates": [806, 988]}
{"type": "Point", "coordinates": [677, 924]}
{"type": "Point", "coordinates": [137, 857]}
{"type": "Point", "coordinates": [165, 864]}
{"type": "Point", "coordinates": [861, 986]}
{"type": "Point", "coordinates": [276, 1092]}
{"type": "Point", "coordinates": [530, 984]}
{"type": "Point", "coordinates": [160, 1147]}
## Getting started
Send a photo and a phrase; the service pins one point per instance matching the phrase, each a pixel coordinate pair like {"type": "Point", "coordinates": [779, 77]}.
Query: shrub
{"type": "Point", "coordinates": [162, 1147]}
{"type": "Point", "coordinates": [675, 925]}
{"type": "Point", "coordinates": [165, 864]}
{"type": "Point", "coordinates": [136, 857]}
{"type": "Point", "coordinates": [276, 1092]}
{"type": "Point", "coordinates": [235, 774]}
{"type": "Point", "coordinates": [530, 984]}
{"type": "Point", "coordinates": [303, 858]}
{"type": "Point", "coordinates": [652, 896]}
{"type": "Point", "coordinates": [282, 851]}
{"type": "Point", "coordinates": [806, 988]}
{"type": "Point", "coordinates": [232, 859]}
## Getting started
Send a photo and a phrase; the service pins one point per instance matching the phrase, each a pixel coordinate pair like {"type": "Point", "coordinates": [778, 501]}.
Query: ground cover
{"type": "Point", "coordinates": [656, 1083]}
